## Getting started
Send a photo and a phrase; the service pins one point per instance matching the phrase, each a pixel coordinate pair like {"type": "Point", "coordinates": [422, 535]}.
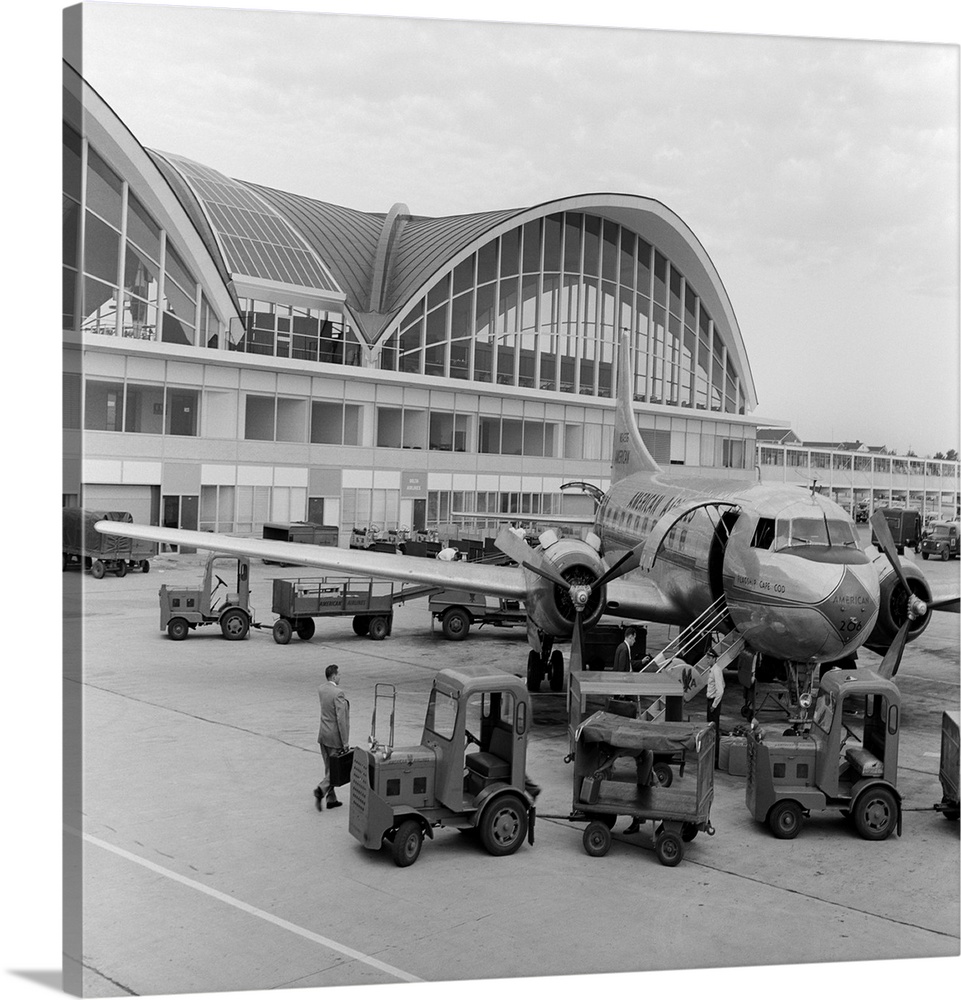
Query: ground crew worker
{"type": "Point", "coordinates": [334, 732]}
{"type": "Point", "coordinates": [622, 655]}
{"type": "Point", "coordinates": [715, 692]}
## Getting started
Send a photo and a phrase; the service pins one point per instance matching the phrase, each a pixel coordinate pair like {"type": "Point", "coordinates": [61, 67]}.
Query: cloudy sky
{"type": "Point", "coordinates": [820, 175]}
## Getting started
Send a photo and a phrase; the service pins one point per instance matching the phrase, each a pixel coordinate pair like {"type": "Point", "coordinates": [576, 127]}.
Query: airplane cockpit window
{"type": "Point", "coordinates": [800, 531]}
{"type": "Point", "coordinates": [763, 534]}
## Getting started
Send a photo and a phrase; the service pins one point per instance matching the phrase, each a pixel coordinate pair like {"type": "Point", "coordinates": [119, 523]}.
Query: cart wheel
{"type": "Point", "coordinates": [663, 774]}
{"type": "Point", "coordinates": [785, 819]}
{"type": "Point", "coordinates": [144, 566]}
{"type": "Point", "coordinates": [875, 813]}
{"type": "Point", "coordinates": [669, 848]}
{"type": "Point", "coordinates": [455, 623]}
{"type": "Point", "coordinates": [305, 629]}
{"type": "Point", "coordinates": [97, 569]}
{"type": "Point", "coordinates": [556, 671]}
{"type": "Point", "coordinates": [378, 628]}
{"type": "Point", "coordinates": [282, 631]}
{"type": "Point", "coordinates": [360, 624]}
{"type": "Point", "coordinates": [177, 629]}
{"type": "Point", "coordinates": [597, 839]}
{"type": "Point", "coordinates": [952, 812]}
{"type": "Point", "coordinates": [503, 825]}
{"type": "Point", "coordinates": [533, 671]}
{"type": "Point", "coordinates": [121, 569]}
{"type": "Point", "coordinates": [234, 624]}
{"type": "Point", "coordinates": [688, 832]}
{"type": "Point", "coordinates": [407, 842]}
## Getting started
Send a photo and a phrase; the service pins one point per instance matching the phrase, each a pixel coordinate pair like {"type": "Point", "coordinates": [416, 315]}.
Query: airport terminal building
{"type": "Point", "coordinates": [236, 355]}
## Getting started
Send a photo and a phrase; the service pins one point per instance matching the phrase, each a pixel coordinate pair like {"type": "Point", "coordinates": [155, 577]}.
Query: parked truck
{"type": "Point", "coordinates": [905, 528]}
{"type": "Point", "coordinates": [85, 547]}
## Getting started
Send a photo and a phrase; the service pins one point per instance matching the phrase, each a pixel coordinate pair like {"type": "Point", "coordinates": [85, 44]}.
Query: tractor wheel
{"type": "Point", "coordinates": [455, 623]}
{"type": "Point", "coordinates": [503, 825]}
{"type": "Point", "coordinates": [97, 569]}
{"type": "Point", "coordinates": [924, 555]}
{"type": "Point", "coordinates": [669, 848]}
{"type": "Point", "coordinates": [875, 813]}
{"type": "Point", "coordinates": [405, 847]}
{"type": "Point", "coordinates": [282, 631]}
{"type": "Point", "coordinates": [378, 628]}
{"type": "Point", "coordinates": [663, 774]}
{"type": "Point", "coordinates": [305, 629]}
{"type": "Point", "coordinates": [945, 555]}
{"type": "Point", "coordinates": [597, 839]}
{"type": "Point", "coordinates": [234, 624]}
{"type": "Point", "coordinates": [534, 671]}
{"type": "Point", "coordinates": [178, 629]}
{"type": "Point", "coordinates": [360, 624]}
{"type": "Point", "coordinates": [555, 671]}
{"type": "Point", "coordinates": [785, 819]}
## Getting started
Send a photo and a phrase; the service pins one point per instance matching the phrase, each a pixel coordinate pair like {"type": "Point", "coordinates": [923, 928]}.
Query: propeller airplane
{"type": "Point", "coordinates": [776, 569]}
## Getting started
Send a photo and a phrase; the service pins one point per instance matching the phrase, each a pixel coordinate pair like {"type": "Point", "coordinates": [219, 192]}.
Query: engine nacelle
{"type": "Point", "coordinates": [893, 610]}
{"type": "Point", "coordinates": [549, 606]}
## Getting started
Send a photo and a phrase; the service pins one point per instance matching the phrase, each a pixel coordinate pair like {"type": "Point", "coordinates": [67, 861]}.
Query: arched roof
{"type": "Point", "coordinates": [382, 261]}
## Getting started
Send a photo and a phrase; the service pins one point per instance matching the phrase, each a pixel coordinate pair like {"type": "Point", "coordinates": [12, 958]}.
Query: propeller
{"type": "Point", "coordinates": [916, 607]}
{"type": "Point", "coordinates": [580, 593]}
{"type": "Point", "coordinates": [892, 658]}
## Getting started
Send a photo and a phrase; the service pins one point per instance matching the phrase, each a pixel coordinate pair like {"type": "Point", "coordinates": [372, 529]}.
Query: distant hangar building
{"type": "Point", "coordinates": [236, 355]}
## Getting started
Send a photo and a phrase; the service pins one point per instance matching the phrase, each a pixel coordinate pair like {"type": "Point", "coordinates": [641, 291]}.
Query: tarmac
{"type": "Point", "coordinates": [206, 867]}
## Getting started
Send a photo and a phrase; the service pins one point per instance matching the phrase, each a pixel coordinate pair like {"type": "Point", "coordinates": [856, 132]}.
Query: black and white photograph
{"type": "Point", "coordinates": [511, 505]}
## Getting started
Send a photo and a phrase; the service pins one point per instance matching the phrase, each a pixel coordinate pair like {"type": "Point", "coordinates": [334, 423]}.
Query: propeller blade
{"type": "Point", "coordinates": [630, 560]}
{"type": "Point", "coordinates": [577, 644]}
{"type": "Point", "coordinates": [517, 549]}
{"type": "Point", "coordinates": [883, 534]}
{"type": "Point", "coordinates": [892, 658]}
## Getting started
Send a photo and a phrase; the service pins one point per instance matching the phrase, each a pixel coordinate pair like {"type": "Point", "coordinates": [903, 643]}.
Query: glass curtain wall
{"type": "Point", "coordinates": [122, 274]}
{"type": "Point", "coordinates": [543, 305]}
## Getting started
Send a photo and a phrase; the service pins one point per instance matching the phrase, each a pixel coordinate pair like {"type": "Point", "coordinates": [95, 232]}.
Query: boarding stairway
{"type": "Point", "coordinates": [693, 677]}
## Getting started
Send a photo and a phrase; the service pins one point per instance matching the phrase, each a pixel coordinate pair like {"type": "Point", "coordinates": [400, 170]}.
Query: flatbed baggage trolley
{"type": "Point", "coordinates": [370, 603]}
{"type": "Point", "coordinates": [600, 795]}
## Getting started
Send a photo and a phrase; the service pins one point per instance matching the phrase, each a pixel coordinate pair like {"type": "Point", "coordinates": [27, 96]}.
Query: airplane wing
{"type": "Point", "coordinates": [499, 581]}
{"type": "Point", "coordinates": [572, 519]}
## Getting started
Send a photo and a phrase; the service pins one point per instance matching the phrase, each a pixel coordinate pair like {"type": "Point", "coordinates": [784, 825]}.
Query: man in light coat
{"type": "Point", "coordinates": [334, 733]}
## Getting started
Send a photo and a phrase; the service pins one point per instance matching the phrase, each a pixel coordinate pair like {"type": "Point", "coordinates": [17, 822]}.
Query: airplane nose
{"type": "Point", "coordinates": [822, 612]}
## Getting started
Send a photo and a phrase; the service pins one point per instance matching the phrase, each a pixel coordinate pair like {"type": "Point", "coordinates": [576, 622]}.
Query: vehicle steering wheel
{"type": "Point", "coordinates": [471, 738]}
{"type": "Point", "coordinates": [220, 583]}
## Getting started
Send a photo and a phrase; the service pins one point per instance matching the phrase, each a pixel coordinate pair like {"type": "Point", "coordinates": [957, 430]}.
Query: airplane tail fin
{"type": "Point", "coordinates": [630, 453]}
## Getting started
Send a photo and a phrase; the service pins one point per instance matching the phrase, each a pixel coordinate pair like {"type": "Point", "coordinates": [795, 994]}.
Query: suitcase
{"type": "Point", "coordinates": [341, 764]}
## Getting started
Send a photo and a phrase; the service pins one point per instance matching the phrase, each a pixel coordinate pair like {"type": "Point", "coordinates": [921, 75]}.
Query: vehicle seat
{"type": "Point", "coordinates": [864, 762]}
{"type": "Point", "coordinates": [494, 764]}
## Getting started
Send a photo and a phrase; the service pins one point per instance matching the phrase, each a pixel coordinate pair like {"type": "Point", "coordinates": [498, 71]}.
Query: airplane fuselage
{"type": "Point", "coordinates": [786, 561]}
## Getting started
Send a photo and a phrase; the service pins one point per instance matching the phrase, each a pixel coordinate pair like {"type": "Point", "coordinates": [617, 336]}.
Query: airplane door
{"type": "Point", "coordinates": [722, 533]}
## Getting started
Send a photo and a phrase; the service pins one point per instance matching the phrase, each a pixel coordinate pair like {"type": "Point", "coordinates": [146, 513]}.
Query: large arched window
{"type": "Point", "coordinates": [543, 305]}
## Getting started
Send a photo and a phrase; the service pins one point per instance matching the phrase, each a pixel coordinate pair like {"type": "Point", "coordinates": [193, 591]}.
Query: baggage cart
{"type": "Point", "coordinates": [369, 602]}
{"type": "Point", "coordinates": [604, 788]}
{"type": "Point", "coordinates": [949, 767]}
{"type": "Point", "coordinates": [87, 548]}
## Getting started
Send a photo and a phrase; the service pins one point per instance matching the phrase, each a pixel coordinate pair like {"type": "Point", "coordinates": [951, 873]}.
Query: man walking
{"type": "Point", "coordinates": [334, 732]}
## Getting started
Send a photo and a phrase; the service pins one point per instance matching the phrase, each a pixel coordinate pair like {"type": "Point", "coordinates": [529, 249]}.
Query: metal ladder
{"type": "Point", "coordinates": [693, 677]}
